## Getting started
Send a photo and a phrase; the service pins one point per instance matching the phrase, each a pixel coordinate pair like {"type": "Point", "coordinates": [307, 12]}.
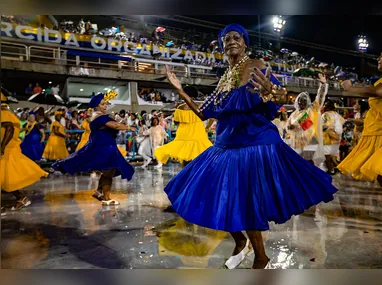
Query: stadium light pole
{"type": "Point", "coordinates": [278, 28]}
{"type": "Point", "coordinates": [362, 47]}
{"type": "Point", "coordinates": [278, 24]}
{"type": "Point", "coordinates": [362, 43]}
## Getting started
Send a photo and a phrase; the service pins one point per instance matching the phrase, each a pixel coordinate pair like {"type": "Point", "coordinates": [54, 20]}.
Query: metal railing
{"type": "Point", "coordinates": [14, 51]}
{"type": "Point", "coordinates": [60, 56]}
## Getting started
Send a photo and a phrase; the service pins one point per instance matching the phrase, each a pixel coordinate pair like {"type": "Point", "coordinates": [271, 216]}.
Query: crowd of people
{"type": "Point", "coordinates": [319, 132]}
{"type": "Point", "coordinates": [37, 89]}
{"type": "Point", "coordinates": [61, 132]}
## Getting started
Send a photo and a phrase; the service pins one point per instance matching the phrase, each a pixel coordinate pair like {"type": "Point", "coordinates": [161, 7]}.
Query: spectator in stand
{"type": "Point", "coordinates": [157, 97]}
{"type": "Point", "coordinates": [29, 90]}
{"type": "Point", "coordinates": [81, 26]}
{"type": "Point", "coordinates": [37, 89]}
{"type": "Point", "coordinates": [163, 98]}
{"type": "Point", "coordinates": [48, 90]}
{"type": "Point", "coordinates": [88, 26]}
{"type": "Point", "coordinates": [56, 90]}
{"type": "Point", "coordinates": [152, 96]}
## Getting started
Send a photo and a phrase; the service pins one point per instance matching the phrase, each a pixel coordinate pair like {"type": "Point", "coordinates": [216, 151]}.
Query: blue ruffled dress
{"type": "Point", "coordinates": [100, 153]}
{"type": "Point", "coordinates": [250, 176]}
{"type": "Point", "coordinates": [31, 145]}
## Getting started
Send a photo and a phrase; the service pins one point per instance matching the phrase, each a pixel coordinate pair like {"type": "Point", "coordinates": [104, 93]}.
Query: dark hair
{"type": "Point", "coordinates": [152, 121]}
{"type": "Point", "coordinates": [329, 105]}
{"type": "Point", "coordinates": [364, 106]}
{"type": "Point", "coordinates": [152, 111]}
{"type": "Point", "coordinates": [191, 91]}
{"type": "Point", "coordinates": [143, 112]}
{"type": "Point", "coordinates": [122, 111]}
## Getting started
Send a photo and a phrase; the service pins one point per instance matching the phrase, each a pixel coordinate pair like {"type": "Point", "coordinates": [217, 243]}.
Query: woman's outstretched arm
{"type": "Point", "coordinates": [174, 81]}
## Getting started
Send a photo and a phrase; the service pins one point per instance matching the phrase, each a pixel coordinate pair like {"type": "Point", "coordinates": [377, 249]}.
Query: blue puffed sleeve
{"type": "Point", "coordinates": [209, 112]}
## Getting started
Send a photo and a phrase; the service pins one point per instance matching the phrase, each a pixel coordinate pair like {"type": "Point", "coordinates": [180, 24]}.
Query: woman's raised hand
{"type": "Point", "coordinates": [171, 77]}
{"type": "Point", "coordinates": [261, 83]}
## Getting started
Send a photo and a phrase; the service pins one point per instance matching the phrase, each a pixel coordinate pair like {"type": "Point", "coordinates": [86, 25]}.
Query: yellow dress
{"type": "Point", "coordinates": [86, 135]}
{"type": "Point", "coordinates": [56, 146]}
{"type": "Point", "coordinates": [16, 170]}
{"type": "Point", "coordinates": [365, 161]}
{"type": "Point", "coordinates": [190, 141]}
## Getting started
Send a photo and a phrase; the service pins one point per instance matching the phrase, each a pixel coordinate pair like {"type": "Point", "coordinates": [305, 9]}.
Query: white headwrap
{"type": "Point", "coordinates": [308, 101]}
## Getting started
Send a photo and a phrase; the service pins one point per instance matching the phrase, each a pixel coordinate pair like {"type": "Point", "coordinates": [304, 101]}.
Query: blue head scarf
{"type": "Point", "coordinates": [95, 100]}
{"type": "Point", "coordinates": [233, 27]}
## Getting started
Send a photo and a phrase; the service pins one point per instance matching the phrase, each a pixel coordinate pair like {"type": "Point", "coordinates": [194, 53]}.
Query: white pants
{"type": "Point", "coordinates": [331, 149]}
{"type": "Point", "coordinates": [307, 152]}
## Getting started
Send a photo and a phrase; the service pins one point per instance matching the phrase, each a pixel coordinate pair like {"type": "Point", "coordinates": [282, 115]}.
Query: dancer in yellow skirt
{"type": "Point", "coordinates": [16, 170]}
{"type": "Point", "coordinates": [365, 161]}
{"type": "Point", "coordinates": [86, 127]}
{"type": "Point", "coordinates": [56, 146]}
{"type": "Point", "coordinates": [191, 137]}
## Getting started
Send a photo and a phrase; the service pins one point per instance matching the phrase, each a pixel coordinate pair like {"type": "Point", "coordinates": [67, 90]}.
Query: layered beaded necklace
{"type": "Point", "coordinates": [229, 81]}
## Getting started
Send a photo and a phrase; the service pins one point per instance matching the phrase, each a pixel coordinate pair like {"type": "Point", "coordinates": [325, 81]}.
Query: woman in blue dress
{"type": "Point", "coordinates": [250, 176]}
{"type": "Point", "coordinates": [32, 145]}
{"type": "Point", "coordinates": [100, 153]}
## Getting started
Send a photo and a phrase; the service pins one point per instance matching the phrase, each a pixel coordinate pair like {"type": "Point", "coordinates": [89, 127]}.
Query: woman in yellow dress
{"type": "Point", "coordinates": [86, 127]}
{"type": "Point", "coordinates": [56, 146]}
{"type": "Point", "coordinates": [365, 161]}
{"type": "Point", "coordinates": [191, 136]}
{"type": "Point", "coordinates": [16, 170]}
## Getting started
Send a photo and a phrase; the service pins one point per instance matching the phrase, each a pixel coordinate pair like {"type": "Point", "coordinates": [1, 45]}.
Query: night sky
{"type": "Point", "coordinates": [336, 31]}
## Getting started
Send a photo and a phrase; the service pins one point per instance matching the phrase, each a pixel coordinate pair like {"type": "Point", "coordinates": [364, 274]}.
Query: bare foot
{"type": "Point", "coordinates": [260, 263]}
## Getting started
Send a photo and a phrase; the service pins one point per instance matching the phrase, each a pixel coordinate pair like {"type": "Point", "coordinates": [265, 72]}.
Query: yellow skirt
{"type": "Point", "coordinates": [84, 140]}
{"type": "Point", "coordinates": [55, 148]}
{"type": "Point", "coordinates": [373, 167]}
{"type": "Point", "coordinates": [122, 151]}
{"type": "Point", "coordinates": [362, 163]}
{"type": "Point", "coordinates": [181, 150]}
{"type": "Point", "coordinates": [18, 171]}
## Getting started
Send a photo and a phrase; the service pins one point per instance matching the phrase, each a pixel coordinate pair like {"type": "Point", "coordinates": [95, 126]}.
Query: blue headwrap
{"type": "Point", "coordinates": [95, 100]}
{"type": "Point", "coordinates": [233, 27]}
{"type": "Point", "coordinates": [32, 113]}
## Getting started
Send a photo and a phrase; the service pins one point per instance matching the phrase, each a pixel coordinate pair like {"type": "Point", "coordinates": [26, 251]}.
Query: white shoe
{"type": "Point", "coordinates": [158, 166]}
{"type": "Point", "coordinates": [147, 163]}
{"type": "Point", "coordinates": [235, 260]}
{"type": "Point", "coordinates": [268, 266]}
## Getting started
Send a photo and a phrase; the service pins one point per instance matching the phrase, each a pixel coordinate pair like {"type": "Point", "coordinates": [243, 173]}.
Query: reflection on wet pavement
{"type": "Point", "coordinates": [66, 228]}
